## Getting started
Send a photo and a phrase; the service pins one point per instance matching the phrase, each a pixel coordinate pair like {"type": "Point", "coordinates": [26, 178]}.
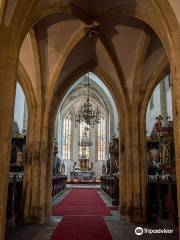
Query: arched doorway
{"type": "Point", "coordinates": [84, 145]}
{"type": "Point", "coordinates": [99, 134]}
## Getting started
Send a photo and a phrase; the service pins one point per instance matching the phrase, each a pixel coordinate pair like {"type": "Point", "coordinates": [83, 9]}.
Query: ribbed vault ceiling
{"type": "Point", "coordinates": [57, 45]}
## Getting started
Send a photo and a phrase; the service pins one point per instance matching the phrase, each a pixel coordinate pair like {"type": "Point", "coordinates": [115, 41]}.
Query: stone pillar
{"type": "Point", "coordinates": [163, 101]}
{"type": "Point", "coordinates": [175, 72]}
{"type": "Point", "coordinates": [92, 152]}
{"type": "Point", "coordinates": [48, 179]}
{"type": "Point", "coordinates": [36, 184]}
{"type": "Point", "coordinates": [39, 166]}
{"type": "Point", "coordinates": [123, 172]}
{"type": "Point", "coordinates": [35, 169]}
{"type": "Point", "coordinates": [8, 68]}
{"type": "Point", "coordinates": [134, 166]}
{"type": "Point", "coordinates": [75, 139]}
{"type": "Point", "coordinates": [75, 145]}
{"type": "Point", "coordinates": [131, 168]}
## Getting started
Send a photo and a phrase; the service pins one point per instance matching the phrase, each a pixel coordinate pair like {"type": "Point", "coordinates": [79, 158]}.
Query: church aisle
{"type": "Point", "coordinates": [83, 211]}
{"type": "Point", "coordinates": [86, 202]}
{"type": "Point", "coordinates": [82, 227]}
{"type": "Point", "coordinates": [88, 227]}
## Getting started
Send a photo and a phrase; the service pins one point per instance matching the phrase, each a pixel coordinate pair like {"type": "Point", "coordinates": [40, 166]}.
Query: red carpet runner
{"type": "Point", "coordinates": [83, 212]}
{"type": "Point", "coordinates": [81, 202]}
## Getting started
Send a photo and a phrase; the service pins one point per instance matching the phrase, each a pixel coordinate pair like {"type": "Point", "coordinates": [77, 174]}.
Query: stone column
{"type": "Point", "coordinates": [131, 168]}
{"type": "Point", "coordinates": [76, 146]}
{"type": "Point", "coordinates": [175, 72]}
{"type": "Point", "coordinates": [75, 139]}
{"type": "Point", "coordinates": [123, 173]}
{"type": "Point", "coordinates": [35, 169]}
{"type": "Point", "coordinates": [8, 68]}
{"type": "Point", "coordinates": [48, 178]}
{"type": "Point", "coordinates": [92, 137]}
{"type": "Point", "coordinates": [163, 101]}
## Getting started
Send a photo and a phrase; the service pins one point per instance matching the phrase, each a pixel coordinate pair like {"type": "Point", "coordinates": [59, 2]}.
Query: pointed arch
{"type": "Point", "coordinates": [67, 137]}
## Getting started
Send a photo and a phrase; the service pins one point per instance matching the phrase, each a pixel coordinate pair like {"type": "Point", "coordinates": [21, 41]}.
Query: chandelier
{"type": "Point", "coordinates": [85, 141]}
{"type": "Point", "coordinates": [86, 112]}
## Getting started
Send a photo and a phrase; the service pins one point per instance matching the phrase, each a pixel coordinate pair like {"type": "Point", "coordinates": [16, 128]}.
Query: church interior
{"type": "Point", "coordinates": [89, 119]}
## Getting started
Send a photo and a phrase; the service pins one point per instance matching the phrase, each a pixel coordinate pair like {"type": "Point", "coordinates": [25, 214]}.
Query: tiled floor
{"type": "Point", "coordinates": [119, 227]}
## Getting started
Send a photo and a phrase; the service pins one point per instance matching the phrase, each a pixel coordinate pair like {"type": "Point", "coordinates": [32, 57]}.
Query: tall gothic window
{"type": "Point", "coordinates": [67, 138]}
{"type": "Point", "coordinates": [81, 148]}
{"type": "Point", "coordinates": [101, 137]}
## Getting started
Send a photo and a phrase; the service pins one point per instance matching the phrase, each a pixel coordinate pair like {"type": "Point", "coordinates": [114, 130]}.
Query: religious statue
{"type": "Point", "coordinates": [74, 166]}
{"type": "Point", "coordinates": [103, 168]}
{"type": "Point", "coordinates": [158, 123]}
{"type": "Point", "coordinates": [150, 156]}
{"type": "Point", "coordinates": [19, 160]}
{"type": "Point", "coordinates": [153, 166]}
{"type": "Point", "coordinates": [108, 165]}
{"type": "Point", "coordinates": [91, 166]}
{"type": "Point", "coordinates": [63, 168]}
{"type": "Point", "coordinates": [58, 164]}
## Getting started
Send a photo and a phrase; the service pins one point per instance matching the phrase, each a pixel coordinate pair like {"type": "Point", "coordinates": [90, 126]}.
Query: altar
{"type": "Point", "coordinates": [82, 176]}
{"type": "Point", "coordinates": [85, 164]}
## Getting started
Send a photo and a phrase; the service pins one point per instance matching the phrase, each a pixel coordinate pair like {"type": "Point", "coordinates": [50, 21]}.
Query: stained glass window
{"type": "Point", "coordinates": [67, 137]}
{"type": "Point", "coordinates": [101, 139]}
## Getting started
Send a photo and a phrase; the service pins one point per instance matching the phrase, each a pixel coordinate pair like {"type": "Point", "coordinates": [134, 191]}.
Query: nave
{"type": "Point", "coordinates": [89, 91]}
{"type": "Point", "coordinates": [84, 212]}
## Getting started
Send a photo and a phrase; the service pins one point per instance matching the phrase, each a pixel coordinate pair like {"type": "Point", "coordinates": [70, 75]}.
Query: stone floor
{"type": "Point", "coordinates": [33, 231]}
{"type": "Point", "coordinates": [122, 229]}
{"type": "Point", "coordinates": [119, 227]}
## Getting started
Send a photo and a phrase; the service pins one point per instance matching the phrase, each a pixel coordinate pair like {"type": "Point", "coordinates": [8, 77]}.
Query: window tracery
{"type": "Point", "coordinates": [101, 141]}
{"type": "Point", "coordinates": [67, 137]}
